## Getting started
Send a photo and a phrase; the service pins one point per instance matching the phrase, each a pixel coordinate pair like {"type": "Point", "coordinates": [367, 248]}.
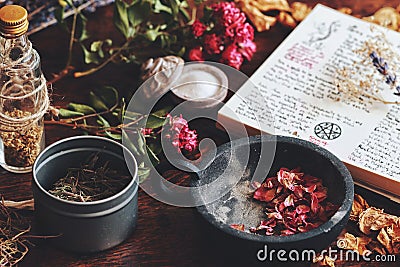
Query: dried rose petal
{"type": "Point", "coordinates": [314, 203]}
{"type": "Point", "coordinates": [310, 188]}
{"type": "Point", "coordinates": [295, 203]}
{"type": "Point", "coordinates": [264, 194]}
{"type": "Point", "coordinates": [375, 219]}
{"type": "Point", "coordinates": [301, 209]}
{"type": "Point", "coordinates": [289, 201]}
{"type": "Point", "coordinates": [358, 206]}
{"type": "Point", "coordinates": [239, 227]}
{"type": "Point", "coordinates": [287, 232]}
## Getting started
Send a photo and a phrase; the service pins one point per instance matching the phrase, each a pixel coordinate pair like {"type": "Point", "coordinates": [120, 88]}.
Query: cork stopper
{"type": "Point", "coordinates": [13, 21]}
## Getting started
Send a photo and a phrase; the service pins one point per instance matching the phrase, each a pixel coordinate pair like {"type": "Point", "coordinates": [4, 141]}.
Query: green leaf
{"type": "Point", "coordinates": [103, 122]}
{"type": "Point", "coordinates": [139, 12]}
{"type": "Point", "coordinates": [130, 115]}
{"type": "Point", "coordinates": [121, 19]}
{"type": "Point", "coordinates": [85, 109]}
{"type": "Point", "coordinates": [129, 144]}
{"type": "Point", "coordinates": [141, 141]}
{"type": "Point", "coordinates": [108, 95]}
{"type": "Point", "coordinates": [152, 34]}
{"type": "Point", "coordinates": [122, 110]}
{"type": "Point", "coordinates": [174, 8]}
{"type": "Point", "coordinates": [62, 3]}
{"type": "Point", "coordinates": [153, 158]}
{"type": "Point", "coordinates": [113, 136]}
{"type": "Point", "coordinates": [154, 121]}
{"type": "Point", "coordinates": [90, 57]}
{"type": "Point", "coordinates": [66, 113]}
{"type": "Point", "coordinates": [160, 7]}
{"type": "Point", "coordinates": [97, 47]}
{"type": "Point", "coordinates": [96, 102]}
{"type": "Point", "coordinates": [143, 173]}
{"type": "Point", "coordinates": [162, 112]}
{"type": "Point", "coordinates": [81, 30]}
{"type": "Point", "coordinates": [59, 14]}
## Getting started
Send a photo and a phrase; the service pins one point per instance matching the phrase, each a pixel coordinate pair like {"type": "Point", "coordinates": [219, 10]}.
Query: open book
{"type": "Point", "coordinates": [296, 87]}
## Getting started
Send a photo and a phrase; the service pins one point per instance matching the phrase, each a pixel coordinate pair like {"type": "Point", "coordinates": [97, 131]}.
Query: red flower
{"type": "Point", "coordinates": [247, 49]}
{"type": "Point", "coordinates": [213, 44]}
{"type": "Point", "coordinates": [230, 14]}
{"type": "Point", "coordinates": [180, 135]}
{"type": "Point", "coordinates": [232, 57]}
{"type": "Point", "coordinates": [244, 32]}
{"type": "Point", "coordinates": [147, 131]}
{"type": "Point", "coordinates": [196, 54]}
{"type": "Point", "coordinates": [198, 28]}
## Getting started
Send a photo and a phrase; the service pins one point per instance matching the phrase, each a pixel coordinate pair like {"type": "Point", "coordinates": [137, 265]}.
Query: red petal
{"type": "Point", "coordinates": [301, 209]}
{"type": "Point", "coordinates": [287, 232]}
{"type": "Point", "coordinates": [310, 188]}
{"type": "Point", "coordinates": [289, 201]}
{"type": "Point", "coordinates": [298, 191]}
{"type": "Point", "coordinates": [314, 203]}
{"type": "Point", "coordinates": [239, 227]}
{"type": "Point", "coordinates": [264, 194]}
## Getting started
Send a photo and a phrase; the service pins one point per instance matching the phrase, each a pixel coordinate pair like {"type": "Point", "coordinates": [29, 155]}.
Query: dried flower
{"type": "Point", "coordinates": [196, 54]}
{"type": "Point", "coordinates": [375, 219]}
{"type": "Point", "coordinates": [224, 36]}
{"type": "Point", "coordinates": [213, 44]}
{"type": "Point", "coordinates": [180, 135]}
{"type": "Point", "coordinates": [232, 57]}
{"type": "Point", "coordinates": [198, 28]}
{"type": "Point", "coordinates": [373, 63]}
{"type": "Point", "coordinates": [295, 202]}
{"type": "Point", "coordinates": [147, 131]}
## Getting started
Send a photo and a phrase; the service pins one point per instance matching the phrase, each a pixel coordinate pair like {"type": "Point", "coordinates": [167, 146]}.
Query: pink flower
{"type": "Point", "coordinates": [244, 32]}
{"type": "Point", "coordinates": [180, 135]}
{"type": "Point", "coordinates": [229, 13]}
{"type": "Point", "coordinates": [232, 57]}
{"type": "Point", "coordinates": [196, 54]}
{"type": "Point", "coordinates": [213, 44]}
{"type": "Point", "coordinates": [247, 49]}
{"type": "Point", "coordinates": [147, 131]}
{"type": "Point", "coordinates": [198, 28]}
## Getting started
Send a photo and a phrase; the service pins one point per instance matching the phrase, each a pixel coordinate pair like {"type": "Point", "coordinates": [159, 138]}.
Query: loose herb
{"type": "Point", "coordinates": [13, 243]}
{"type": "Point", "coordinates": [295, 203]}
{"type": "Point", "coordinates": [90, 182]}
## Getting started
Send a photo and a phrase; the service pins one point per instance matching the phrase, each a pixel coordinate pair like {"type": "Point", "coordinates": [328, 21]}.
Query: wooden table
{"type": "Point", "coordinates": [165, 235]}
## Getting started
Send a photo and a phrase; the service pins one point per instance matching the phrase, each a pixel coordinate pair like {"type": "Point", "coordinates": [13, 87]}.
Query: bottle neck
{"type": "Point", "coordinates": [15, 50]}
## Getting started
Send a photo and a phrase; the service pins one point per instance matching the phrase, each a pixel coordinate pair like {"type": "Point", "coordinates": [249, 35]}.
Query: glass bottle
{"type": "Point", "coordinates": [23, 93]}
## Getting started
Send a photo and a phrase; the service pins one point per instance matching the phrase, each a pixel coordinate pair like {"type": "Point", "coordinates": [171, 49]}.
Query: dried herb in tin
{"type": "Point", "coordinates": [90, 182]}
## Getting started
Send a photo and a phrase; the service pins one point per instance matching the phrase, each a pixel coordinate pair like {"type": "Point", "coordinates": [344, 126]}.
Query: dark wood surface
{"type": "Point", "coordinates": [165, 235]}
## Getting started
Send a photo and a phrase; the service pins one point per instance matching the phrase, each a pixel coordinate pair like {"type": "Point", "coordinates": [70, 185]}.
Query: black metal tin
{"type": "Point", "coordinates": [84, 227]}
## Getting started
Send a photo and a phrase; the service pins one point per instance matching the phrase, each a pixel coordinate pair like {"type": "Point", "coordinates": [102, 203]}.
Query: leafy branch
{"type": "Point", "coordinates": [106, 115]}
{"type": "Point", "coordinates": [162, 25]}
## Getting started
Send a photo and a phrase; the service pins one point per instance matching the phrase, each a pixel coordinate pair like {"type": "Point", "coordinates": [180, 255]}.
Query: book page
{"type": "Point", "coordinates": [293, 93]}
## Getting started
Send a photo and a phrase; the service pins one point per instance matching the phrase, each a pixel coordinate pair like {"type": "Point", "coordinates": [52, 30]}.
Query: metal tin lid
{"type": "Point", "coordinates": [13, 21]}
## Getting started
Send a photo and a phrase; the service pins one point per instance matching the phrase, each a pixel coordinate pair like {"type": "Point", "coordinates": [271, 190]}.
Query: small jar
{"type": "Point", "coordinates": [23, 93]}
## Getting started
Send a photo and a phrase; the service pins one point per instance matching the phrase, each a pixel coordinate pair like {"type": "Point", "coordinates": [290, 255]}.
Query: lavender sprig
{"type": "Point", "coordinates": [383, 68]}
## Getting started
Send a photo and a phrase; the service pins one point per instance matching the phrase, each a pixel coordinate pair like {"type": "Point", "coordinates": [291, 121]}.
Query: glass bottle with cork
{"type": "Point", "coordinates": [23, 93]}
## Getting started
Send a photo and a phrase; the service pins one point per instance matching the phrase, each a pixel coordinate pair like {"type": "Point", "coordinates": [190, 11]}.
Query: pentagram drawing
{"type": "Point", "coordinates": [327, 130]}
